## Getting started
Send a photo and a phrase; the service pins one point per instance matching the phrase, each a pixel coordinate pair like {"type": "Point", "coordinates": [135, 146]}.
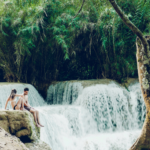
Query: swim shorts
{"type": "Point", "coordinates": [27, 108]}
{"type": "Point", "coordinates": [15, 107]}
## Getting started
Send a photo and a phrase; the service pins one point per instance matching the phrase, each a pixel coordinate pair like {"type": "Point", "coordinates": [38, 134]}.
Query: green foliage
{"type": "Point", "coordinates": [41, 41]}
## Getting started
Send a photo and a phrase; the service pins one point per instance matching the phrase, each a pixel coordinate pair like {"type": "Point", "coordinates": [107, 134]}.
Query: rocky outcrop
{"type": "Point", "coordinates": [9, 142]}
{"type": "Point", "coordinates": [21, 125]}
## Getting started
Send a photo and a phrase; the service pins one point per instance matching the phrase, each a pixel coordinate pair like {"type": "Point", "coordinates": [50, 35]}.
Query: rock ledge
{"type": "Point", "coordinates": [21, 126]}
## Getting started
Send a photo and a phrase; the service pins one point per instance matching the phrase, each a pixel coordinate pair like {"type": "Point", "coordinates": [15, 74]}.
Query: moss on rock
{"type": "Point", "coordinates": [22, 125]}
{"type": "Point", "coordinates": [19, 123]}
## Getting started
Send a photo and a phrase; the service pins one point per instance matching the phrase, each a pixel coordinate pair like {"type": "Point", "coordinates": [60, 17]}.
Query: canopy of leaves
{"type": "Point", "coordinates": [41, 41]}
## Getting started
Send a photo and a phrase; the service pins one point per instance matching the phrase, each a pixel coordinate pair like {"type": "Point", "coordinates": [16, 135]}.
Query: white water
{"type": "Point", "coordinates": [34, 97]}
{"type": "Point", "coordinates": [74, 129]}
{"type": "Point", "coordinates": [64, 93]}
{"type": "Point", "coordinates": [100, 117]}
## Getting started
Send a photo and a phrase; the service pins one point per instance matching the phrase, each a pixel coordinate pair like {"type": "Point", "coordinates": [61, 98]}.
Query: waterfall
{"type": "Point", "coordinates": [113, 107]}
{"type": "Point", "coordinates": [63, 92]}
{"type": "Point", "coordinates": [87, 115]}
{"type": "Point", "coordinates": [5, 89]}
{"type": "Point", "coordinates": [100, 117]}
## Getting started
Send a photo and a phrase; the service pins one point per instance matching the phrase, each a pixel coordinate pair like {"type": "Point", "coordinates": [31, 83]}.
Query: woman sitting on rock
{"type": "Point", "coordinates": [16, 106]}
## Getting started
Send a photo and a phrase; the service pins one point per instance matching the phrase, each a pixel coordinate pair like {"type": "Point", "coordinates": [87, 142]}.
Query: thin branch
{"type": "Point", "coordinates": [80, 9]}
{"type": "Point", "coordinates": [130, 25]}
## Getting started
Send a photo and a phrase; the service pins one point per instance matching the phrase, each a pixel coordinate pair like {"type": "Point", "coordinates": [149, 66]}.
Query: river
{"type": "Point", "coordinates": [86, 116]}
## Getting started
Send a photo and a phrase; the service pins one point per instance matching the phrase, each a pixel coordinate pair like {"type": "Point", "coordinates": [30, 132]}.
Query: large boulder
{"type": "Point", "coordinates": [21, 126]}
{"type": "Point", "coordinates": [19, 123]}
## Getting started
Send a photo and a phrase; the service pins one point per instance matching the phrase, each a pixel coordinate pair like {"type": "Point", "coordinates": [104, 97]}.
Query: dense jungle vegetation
{"type": "Point", "coordinates": [41, 41]}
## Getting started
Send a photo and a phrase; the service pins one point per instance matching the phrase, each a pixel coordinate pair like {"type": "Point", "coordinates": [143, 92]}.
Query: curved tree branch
{"type": "Point", "coordinates": [80, 9]}
{"type": "Point", "coordinates": [142, 63]}
{"type": "Point", "coordinates": [130, 25]}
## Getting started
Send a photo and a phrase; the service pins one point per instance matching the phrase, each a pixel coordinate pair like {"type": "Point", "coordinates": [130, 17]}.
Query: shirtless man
{"type": "Point", "coordinates": [31, 109]}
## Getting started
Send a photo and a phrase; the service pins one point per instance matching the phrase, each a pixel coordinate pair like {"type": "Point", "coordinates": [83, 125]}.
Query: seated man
{"type": "Point", "coordinates": [31, 109]}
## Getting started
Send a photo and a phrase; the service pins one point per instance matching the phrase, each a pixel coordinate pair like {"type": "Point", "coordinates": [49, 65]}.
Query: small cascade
{"type": "Point", "coordinates": [113, 107]}
{"type": "Point", "coordinates": [5, 89]}
{"type": "Point", "coordinates": [108, 107]}
{"type": "Point", "coordinates": [63, 92]}
{"type": "Point", "coordinates": [137, 105]}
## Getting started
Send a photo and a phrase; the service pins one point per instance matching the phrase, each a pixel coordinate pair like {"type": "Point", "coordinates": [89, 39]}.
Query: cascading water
{"type": "Point", "coordinates": [137, 105]}
{"type": "Point", "coordinates": [100, 117]}
{"type": "Point", "coordinates": [5, 89]}
{"type": "Point", "coordinates": [112, 107]}
{"type": "Point", "coordinates": [63, 92]}
{"type": "Point", "coordinates": [93, 117]}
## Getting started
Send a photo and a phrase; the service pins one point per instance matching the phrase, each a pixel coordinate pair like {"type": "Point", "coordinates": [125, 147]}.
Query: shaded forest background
{"type": "Point", "coordinates": [41, 41]}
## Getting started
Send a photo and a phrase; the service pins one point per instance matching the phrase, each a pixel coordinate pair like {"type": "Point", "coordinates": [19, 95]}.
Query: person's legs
{"type": "Point", "coordinates": [19, 104]}
{"type": "Point", "coordinates": [33, 111]}
{"type": "Point", "coordinates": [22, 104]}
{"type": "Point", "coordinates": [38, 118]}
{"type": "Point", "coordinates": [35, 115]}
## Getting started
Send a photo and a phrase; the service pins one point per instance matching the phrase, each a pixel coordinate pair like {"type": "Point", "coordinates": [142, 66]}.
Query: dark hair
{"type": "Point", "coordinates": [13, 93]}
{"type": "Point", "coordinates": [26, 89]}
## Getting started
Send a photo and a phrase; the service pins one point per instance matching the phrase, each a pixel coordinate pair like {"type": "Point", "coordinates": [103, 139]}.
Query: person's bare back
{"type": "Point", "coordinates": [12, 98]}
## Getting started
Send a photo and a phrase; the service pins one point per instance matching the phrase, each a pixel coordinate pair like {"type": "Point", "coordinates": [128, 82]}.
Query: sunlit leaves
{"type": "Point", "coordinates": [43, 35]}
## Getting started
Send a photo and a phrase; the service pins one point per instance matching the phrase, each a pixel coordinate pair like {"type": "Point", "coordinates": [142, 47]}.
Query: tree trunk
{"type": "Point", "coordinates": [143, 63]}
{"type": "Point", "coordinates": [143, 142]}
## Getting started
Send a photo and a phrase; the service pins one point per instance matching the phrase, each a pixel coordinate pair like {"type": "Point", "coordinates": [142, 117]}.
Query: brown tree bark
{"type": "Point", "coordinates": [143, 142]}
{"type": "Point", "coordinates": [143, 63]}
